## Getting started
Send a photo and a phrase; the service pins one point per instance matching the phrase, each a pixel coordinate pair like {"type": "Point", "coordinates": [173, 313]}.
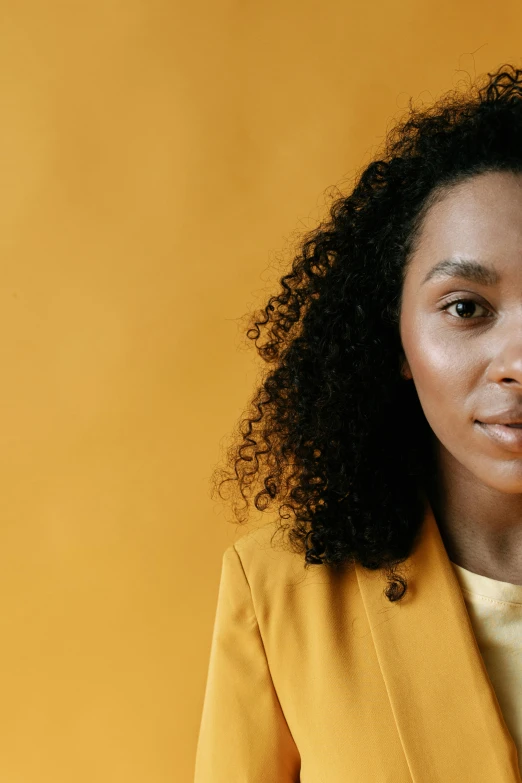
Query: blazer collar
{"type": "Point", "coordinates": [448, 717]}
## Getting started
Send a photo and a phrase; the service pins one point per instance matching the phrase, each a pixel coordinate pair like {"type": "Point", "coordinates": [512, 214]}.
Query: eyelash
{"type": "Point", "coordinates": [460, 299]}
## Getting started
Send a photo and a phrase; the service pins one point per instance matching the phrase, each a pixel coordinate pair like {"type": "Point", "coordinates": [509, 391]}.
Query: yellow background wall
{"type": "Point", "coordinates": [155, 158]}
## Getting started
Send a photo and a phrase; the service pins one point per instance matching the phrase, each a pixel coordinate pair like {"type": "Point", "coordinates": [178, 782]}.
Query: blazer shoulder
{"type": "Point", "coordinates": [269, 560]}
{"type": "Point", "coordinates": [269, 541]}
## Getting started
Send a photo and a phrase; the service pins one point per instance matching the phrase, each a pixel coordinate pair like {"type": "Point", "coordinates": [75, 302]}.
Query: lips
{"type": "Point", "coordinates": [517, 424]}
{"type": "Point", "coordinates": [508, 436]}
{"type": "Point", "coordinates": [506, 417]}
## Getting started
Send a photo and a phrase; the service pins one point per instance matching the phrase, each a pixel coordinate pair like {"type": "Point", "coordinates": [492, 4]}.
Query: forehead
{"type": "Point", "coordinates": [480, 217]}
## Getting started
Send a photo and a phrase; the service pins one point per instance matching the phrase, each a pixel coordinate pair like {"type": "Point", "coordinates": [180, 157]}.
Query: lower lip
{"type": "Point", "coordinates": [508, 437]}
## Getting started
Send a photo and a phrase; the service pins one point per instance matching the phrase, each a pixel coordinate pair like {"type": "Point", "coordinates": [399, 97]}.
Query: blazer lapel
{"type": "Point", "coordinates": [447, 714]}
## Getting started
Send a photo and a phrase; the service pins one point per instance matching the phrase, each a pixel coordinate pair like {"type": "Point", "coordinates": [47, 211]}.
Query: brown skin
{"type": "Point", "coordinates": [467, 367]}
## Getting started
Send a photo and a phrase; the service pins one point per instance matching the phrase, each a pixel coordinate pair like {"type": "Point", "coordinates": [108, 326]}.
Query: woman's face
{"type": "Point", "coordinates": [465, 358]}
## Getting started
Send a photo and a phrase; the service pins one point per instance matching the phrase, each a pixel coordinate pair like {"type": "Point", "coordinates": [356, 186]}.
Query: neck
{"type": "Point", "coordinates": [481, 528]}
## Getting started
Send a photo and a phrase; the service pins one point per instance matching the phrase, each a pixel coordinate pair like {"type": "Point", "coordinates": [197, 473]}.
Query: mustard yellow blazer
{"type": "Point", "coordinates": [318, 678]}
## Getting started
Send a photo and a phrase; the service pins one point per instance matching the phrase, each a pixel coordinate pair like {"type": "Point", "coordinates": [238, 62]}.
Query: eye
{"type": "Point", "coordinates": [465, 308]}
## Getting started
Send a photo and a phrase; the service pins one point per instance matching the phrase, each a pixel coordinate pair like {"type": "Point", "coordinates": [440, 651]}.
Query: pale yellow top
{"type": "Point", "coordinates": [495, 611]}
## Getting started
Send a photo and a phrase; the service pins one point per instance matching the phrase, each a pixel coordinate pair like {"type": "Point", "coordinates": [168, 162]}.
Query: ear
{"type": "Point", "coordinates": [405, 368]}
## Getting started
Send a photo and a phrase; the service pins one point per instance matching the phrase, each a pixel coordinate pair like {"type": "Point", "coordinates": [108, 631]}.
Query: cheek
{"type": "Point", "coordinates": [443, 373]}
{"type": "Point", "coordinates": [446, 380]}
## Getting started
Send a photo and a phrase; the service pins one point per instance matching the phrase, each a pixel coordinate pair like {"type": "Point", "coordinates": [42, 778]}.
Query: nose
{"type": "Point", "coordinates": [506, 367]}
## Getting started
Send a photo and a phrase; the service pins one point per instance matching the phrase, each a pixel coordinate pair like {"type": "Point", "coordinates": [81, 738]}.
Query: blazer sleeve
{"type": "Point", "coordinates": [243, 735]}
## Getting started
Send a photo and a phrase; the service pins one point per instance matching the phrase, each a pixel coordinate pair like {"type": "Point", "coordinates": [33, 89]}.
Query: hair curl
{"type": "Point", "coordinates": [335, 433]}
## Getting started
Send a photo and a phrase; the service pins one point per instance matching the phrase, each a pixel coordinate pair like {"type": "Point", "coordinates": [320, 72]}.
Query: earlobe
{"type": "Point", "coordinates": [405, 369]}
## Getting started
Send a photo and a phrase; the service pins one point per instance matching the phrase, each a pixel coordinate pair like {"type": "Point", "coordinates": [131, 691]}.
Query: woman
{"type": "Point", "coordinates": [390, 429]}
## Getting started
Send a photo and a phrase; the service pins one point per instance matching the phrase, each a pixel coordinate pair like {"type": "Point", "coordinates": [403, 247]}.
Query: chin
{"type": "Point", "coordinates": [508, 482]}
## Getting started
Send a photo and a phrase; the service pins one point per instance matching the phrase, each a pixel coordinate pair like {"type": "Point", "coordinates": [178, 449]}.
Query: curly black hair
{"type": "Point", "coordinates": [335, 434]}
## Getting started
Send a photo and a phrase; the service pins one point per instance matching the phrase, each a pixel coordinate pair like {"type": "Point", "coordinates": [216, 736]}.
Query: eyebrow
{"type": "Point", "coordinates": [466, 268]}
